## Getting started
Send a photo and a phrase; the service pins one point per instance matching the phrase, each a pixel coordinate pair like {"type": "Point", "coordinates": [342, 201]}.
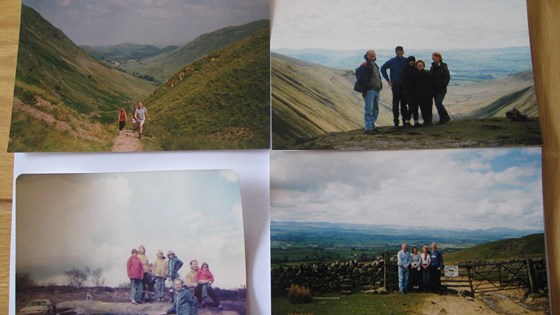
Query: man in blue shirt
{"type": "Point", "coordinates": [403, 263]}
{"type": "Point", "coordinates": [396, 66]}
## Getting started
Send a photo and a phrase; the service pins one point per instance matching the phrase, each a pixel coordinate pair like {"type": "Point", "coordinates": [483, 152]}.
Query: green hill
{"type": "Point", "coordinates": [530, 246]}
{"type": "Point", "coordinates": [220, 101]}
{"type": "Point", "coordinates": [63, 97]}
{"type": "Point", "coordinates": [124, 52]}
{"type": "Point", "coordinates": [164, 65]}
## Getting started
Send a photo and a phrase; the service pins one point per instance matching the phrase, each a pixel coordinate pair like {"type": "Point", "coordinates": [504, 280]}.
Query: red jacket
{"type": "Point", "coordinates": [134, 268]}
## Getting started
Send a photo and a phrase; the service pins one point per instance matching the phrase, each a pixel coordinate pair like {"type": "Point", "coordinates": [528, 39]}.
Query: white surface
{"type": "Point", "coordinates": [251, 165]}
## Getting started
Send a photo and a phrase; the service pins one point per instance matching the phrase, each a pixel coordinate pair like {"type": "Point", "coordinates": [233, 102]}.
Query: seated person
{"type": "Point", "coordinates": [204, 291]}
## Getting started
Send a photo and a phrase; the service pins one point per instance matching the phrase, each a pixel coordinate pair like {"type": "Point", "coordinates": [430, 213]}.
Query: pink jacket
{"type": "Point", "coordinates": [134, 268]}
{"type": "Point", "coordinates": [204, 275]}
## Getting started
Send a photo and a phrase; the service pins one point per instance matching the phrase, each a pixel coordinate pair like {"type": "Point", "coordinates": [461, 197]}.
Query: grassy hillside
{"type": "Point", "coordinates": [164, 65]}
{"type": "Point", "coordinates": [125, 52]}
{"type": "Point", "coordinates": [59, 84]}
{"type": "Point", "coordinates": [220, 101]}
{"type": "Point", "coordinates": [530, 246]}
{"type": "Point", "coordinates": [310, 100]}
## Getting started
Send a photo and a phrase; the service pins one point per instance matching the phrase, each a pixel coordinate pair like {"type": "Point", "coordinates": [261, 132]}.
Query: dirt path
{"type": "Point", "coordinates": [147, 309]}
{"type": "Point", "coordinates": [484, 304]}
{"type": "Point", "coordinates": [127, 141]}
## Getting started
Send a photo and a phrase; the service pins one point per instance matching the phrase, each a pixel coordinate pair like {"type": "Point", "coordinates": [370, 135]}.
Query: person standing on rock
{"type": "Point", "coordinates": [403, 263]}
{"type": "Point", "coordinates": [173, 266]}
{"type": "Point", "coordinates": [141, 115]}
{"type": "Point", "coordinates": [135, 273]}
{"type": "Point", "coordinates": [441, 76]}
{"type": "Point", "coordinates": [396, 66]}
{"type": "Point", "coordinates": [423, 91]}
{"type": "Point", "coordinates": [122, 119]}
{"type": "Point", "coordinates": [145, 265]}
{"type": "Point", "coordinates": [370, 81]}
{"type": "Point", "coordinates": [426, 261]}
{"type": "Point", "coordinates": [160, 272]}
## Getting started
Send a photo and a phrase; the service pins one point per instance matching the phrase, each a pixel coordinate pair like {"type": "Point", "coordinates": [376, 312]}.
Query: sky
{"type": "Point", "coordinates": [382, 24]}
{"type": "Point", "coordinates": [95, 220]}
{"type": "Point", "coordinates": [155, 22]}
{"type": "Point", "coordinates": [452, 189]}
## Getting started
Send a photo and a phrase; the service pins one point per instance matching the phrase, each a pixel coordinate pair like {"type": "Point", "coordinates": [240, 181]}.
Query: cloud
{"type": "Point", "coordinates": [384, 24]}
{"type": "Point", "coordinates": [461, 189]}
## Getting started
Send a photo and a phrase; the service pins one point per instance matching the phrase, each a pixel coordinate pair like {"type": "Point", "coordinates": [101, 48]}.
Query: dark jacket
{"type": "Point", "coordinates": [441, 77]}
{"type": "Point", "coordinates": [368, 75]}
{"type": "Point", "coordinates": [437, 259]}
{"type": "Point", "coordinates": [408, 78]}
{"type": "Point", "coordinates": [173, 267]}
{"type": "Point", "coordinates": [423, 86]}
{"type": "Point", "coordinates": [185, 303]}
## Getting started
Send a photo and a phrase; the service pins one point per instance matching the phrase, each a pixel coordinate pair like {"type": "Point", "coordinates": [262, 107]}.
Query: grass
{"type": "Point", "coordinates": [355, 304]}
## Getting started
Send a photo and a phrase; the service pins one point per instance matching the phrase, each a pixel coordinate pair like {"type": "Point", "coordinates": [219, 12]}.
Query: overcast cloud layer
{"type": "Point", "coordinates": [451, 189]}
{"type": "Point", "coordinates": [72, 221]}
{"type": "Point", "coordinates": [156, 22]}
{"type": "Point", "coordinates": [422, 24]}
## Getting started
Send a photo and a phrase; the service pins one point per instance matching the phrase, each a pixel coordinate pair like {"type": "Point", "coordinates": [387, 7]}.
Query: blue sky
{"type": "Point", "coordinates": [156, 22]}
{"type": "Point", "coordinates": [381, 24]}
{"type": "Point", "coordinates": [67, 221]}
{"type": "Point", "coordinates": [478, 188]}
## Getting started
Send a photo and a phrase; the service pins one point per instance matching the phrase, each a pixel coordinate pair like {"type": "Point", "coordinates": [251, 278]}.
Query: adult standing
{"type": "Point", "coordinates": [145, 265]}
{"type": "Point", "coordinates": [403, 263]}
{"type": "Point", "coordinates": [135, 273]}
{"type": "Point", "coordinates": [185, 302]}
{"type": "Point", "coordinates": [141, 115]}
{"type": "Point", "coordinates": [426, 261]}
{"type": "Point", "coordinates": [440, 73]}
{"type": "Point", "coordinates": [370, 80]}
{"type": "Point", "coordinates": [396, 66]}
{"type": "Point", "coordinates": [436, 266]}
{"type": "Point", "coordinates": [122, 119]}
{"type": "Point", "coordinates": [408, 84]}
{"type": "Point", "coordinates": [160, 272]}
{"type": "Point", "coordinates": [415, 273]}
{"type": "Point", "coordinates": [423, 92]}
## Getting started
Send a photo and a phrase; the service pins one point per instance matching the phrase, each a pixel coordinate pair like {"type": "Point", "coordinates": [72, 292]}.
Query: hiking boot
{"type": "Point", "coordinates": [371, 131]}
{"type": "Point", "coordinates": [444, 120]}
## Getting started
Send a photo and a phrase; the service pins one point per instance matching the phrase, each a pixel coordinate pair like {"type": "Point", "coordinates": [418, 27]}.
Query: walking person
{"type": "Point", "coordinates": [441, 76]}
{"type": "Point", "coordinates": [370, 80]}
{"type": "Point", "coordinates": [436, 266]}
{"type": "Point", "coordinates": [141, 116]}
{"type": "Point", "coordinates": [396, 66]}
{"type": "Point", "coordinates": [122, 119]}
{"type": "Point", "coordinates": [135, 273]}
{"type": "Point", "coordinates": [403, 263]}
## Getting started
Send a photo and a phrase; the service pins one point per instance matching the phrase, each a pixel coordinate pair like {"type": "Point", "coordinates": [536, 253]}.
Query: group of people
{"type": "Point", "coordinates": [420, 271]}
{"type": "Point", "coordinates": [412, 86]}
{"type": "Point", "coordinates": [139, 117]}
{"type": "Point", "coordinates": [148, 282]}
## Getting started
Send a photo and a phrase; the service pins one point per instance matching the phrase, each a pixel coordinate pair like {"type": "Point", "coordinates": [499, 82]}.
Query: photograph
{"type": "Point", "coordinates": [151, 75]}
{"type": "Point", "coordinates": [384, 75]}
{"type": "Point", "coordinates": [130, 243]}
{"type": "Point", "coordinates": [408, 232]}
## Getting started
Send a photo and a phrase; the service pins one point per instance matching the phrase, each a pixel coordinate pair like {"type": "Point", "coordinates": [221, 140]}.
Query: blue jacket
{"type": "Point", "coordinates": [396, 66]}
{"type": "Point", "coordinates": [185, 303]}
{"type": "Point", "coordinates": [437, 259]}
{"type": "Point", "coordinates": [173, 266]}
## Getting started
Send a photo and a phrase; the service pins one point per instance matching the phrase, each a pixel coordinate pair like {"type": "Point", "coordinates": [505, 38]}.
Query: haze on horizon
{"type": "Point", "coordinates": [423, 24]}
{"type": "Point", "coordinates": [148, 22]}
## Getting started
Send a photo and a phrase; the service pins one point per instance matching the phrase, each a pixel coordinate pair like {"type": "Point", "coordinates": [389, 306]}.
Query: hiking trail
{"type": "Point", "coordinates": [127, 141]}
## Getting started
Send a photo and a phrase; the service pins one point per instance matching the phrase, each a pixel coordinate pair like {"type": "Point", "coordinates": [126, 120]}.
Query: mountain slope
{"type": "Point", "coordinates": [164, 65]}
{"type": "Point", "coordinates": [125, 52]}
{"type": "Point", "coordinates": [220, 101]}
{"type": "Point", "coordinates": [309, 100]}
{"type": "Point", "coordinates": [512, 248]}
{"type": "Point", "coordinates": [59, 84]}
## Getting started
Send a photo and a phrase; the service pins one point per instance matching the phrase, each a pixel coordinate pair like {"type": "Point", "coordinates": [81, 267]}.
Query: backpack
{"type": "Point", "coordinates": [358, 87]}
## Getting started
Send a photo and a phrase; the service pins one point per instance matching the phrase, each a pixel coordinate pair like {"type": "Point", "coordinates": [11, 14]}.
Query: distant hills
{"type": "Point", "coordinates": [164, 64]}
{"type": "Point", "coordinates": [214, 91]}
{"type": "Point", "coordinates": [310, 100]}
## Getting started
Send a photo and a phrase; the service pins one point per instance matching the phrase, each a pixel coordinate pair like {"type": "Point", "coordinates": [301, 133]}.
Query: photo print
{"type": "Point", "coordinates": [130, 243]}
{"type": "Point", "coordinates": [122, 76]}
{"type": "Point", "coordinates": [340, 222]}
{"type": "Point", "coordinates": [440, 75]}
